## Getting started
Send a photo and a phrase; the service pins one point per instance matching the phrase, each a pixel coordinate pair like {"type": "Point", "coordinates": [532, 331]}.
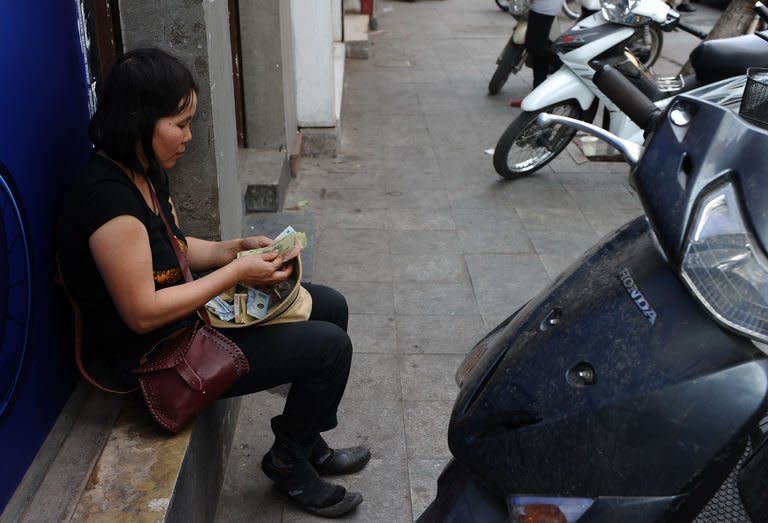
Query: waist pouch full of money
{"type": "Point", "coordinates": [294, 305]}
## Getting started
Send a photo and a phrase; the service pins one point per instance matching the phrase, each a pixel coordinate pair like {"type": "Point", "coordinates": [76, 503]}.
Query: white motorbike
{"type": "Point", "coordinates": [601, 39]}
{"type": "Point", "coordinates": [645, 43]}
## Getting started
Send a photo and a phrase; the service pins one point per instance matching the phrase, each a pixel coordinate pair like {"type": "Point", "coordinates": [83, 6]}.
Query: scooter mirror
{"type": "Point", "coordinates": [631, 151]}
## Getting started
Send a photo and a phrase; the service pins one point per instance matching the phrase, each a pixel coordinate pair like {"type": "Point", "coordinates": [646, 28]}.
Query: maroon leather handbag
{"type": "Point", "coordinates": [185, 372]}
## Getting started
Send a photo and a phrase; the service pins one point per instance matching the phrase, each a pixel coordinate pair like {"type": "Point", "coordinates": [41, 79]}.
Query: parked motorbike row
{"type": "Point", "coordinates": [645, 43]}
{"type": "Point", "coordinates": [635, 387]}
{"type": "Point", "coordinates": [601, 39]}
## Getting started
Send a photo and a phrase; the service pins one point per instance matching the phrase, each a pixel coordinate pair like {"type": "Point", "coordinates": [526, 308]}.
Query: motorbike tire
{"type": "Point", "coordinates": [572, 9]}
{"type": "Point", "coordinates": [509, 57]}
{"type": "Point", "coordinates": [524, 147]}
{"type": "Point", "coordinates": [646, 44]}
{"type": "Point", "coordinates": [502, 5]}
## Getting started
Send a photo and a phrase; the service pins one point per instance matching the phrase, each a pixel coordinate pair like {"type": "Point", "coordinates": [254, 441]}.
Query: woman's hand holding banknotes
{"type": "Point", "coordinates": [267, 268]}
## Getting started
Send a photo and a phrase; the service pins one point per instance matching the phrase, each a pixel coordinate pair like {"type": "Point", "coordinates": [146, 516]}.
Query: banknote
{"type": "Point", "coordinates": [253, 303]}
{"type": "Point", "coordinates": [221, 309]}
{"type": "Point", "coordinates": [241, 307]}
{"type": "Point", "coordinates": [288, 230]}
{"type": "Point", "coordinates": [284, 243]}
{"type": "Point", "coordinates": [258, 303]}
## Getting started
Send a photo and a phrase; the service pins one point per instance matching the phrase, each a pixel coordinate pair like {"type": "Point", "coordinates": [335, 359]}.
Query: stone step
{"type": "Point", "coordinates": [106, 460]}
{"type": "Point", "coordinates": [56, 478]}
{"type": "Point", "coordinates": [356, 35]}
{"type": "Point", "coordinates": [264, 176]}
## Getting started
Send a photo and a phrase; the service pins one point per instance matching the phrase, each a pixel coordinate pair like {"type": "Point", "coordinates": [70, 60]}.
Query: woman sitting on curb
{"type": "Point", "coordinates": [119, 265]}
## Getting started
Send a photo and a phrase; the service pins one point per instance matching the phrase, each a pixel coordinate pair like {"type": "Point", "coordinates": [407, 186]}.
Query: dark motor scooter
{"type": "Point", "coordinates": [633, 388]}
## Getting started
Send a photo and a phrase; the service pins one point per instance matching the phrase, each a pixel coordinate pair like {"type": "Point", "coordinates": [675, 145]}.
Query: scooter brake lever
{"type": "Point", "coordinates": [631, 151]}
{"type": "Point", "coordinates": [671, 22]}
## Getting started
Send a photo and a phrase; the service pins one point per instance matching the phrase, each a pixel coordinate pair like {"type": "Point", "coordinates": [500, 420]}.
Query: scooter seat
{"type": "Point", "coordinates": [714, 60]}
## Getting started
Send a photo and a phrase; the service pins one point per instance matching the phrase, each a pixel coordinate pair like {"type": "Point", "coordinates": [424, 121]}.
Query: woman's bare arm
{"type": "Point", "coordinates": [205, 255]}
{"type": "Point", "coordinates": [122, 254]}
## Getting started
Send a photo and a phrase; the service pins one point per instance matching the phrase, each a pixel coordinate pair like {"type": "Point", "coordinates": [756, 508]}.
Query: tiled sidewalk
{"type": "Point", "coordinates": [429, 245]}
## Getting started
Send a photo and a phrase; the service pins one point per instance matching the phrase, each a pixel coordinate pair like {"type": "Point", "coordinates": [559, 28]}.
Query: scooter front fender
{"type": "Point", "coordinates": [607, 385]}
{"type": "Point", "coordinates": [561, 86]}
{"type": "Point", "coordinates": [518, 35]}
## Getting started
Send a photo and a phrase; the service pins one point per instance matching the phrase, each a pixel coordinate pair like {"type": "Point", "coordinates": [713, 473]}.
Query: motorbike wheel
{"type": "Point", "coordinates": [506, 63]}
{"type": "Point", "coordinates": [503, 5]}
{"type": "Point", "coordinates": [646, 44]}
{"type": "Point", "coordinates": [525, 147]}
{"type": "Point", "coordinates": [571, 9]}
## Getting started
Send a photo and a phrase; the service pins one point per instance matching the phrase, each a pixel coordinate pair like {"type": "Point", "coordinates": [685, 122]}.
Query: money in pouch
{"type": "Point", "coordinates": [241, 307]}
{"type": "Point", "coordinates": [258, 303]}
{"type": "Point", "coordinates": [221, 308]}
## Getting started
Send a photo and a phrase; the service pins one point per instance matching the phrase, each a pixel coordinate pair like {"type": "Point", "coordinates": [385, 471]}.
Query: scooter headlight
{"type": "Point", "coordinates": [725, 267]}
{"type": "Point", "coordinates": [620, 12]}
{"type": "Point", "coordinates": [535, 509]}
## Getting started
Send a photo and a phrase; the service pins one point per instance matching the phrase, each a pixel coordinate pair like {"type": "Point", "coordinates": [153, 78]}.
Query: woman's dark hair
{"type": "Point", "coordinates": [142, 86]}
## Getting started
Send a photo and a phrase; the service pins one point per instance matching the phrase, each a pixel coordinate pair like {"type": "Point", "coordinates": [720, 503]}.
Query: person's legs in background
{"type": "Point", "coordinates": [539, 46]}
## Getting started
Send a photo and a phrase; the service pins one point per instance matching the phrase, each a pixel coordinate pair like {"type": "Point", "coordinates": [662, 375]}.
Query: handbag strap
{"type": "Point", "coordinates": [183, 261]}
{"type": "Point", "coordinates": [78, 320]}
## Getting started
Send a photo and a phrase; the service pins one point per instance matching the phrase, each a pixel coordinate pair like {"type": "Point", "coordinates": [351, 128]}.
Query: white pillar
{"type": "Point", "coordinates": [313, 50]}
{"type": "Point", "coordinates": [336, 18]}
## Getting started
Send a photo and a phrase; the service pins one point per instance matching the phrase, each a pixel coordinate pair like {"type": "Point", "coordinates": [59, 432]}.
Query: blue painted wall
{"type": "Point", "coordinates": [43, 143]}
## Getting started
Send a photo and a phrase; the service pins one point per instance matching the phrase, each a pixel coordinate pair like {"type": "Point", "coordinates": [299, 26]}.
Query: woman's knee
{"type": "Point", "coordinates": [343, 348]}
{"type": "Point", "coordinates": [328, 304]}
{"type": "Point", "coordinates": [337, 302]}
{"type": "Point", "coordinates": [333, 345]}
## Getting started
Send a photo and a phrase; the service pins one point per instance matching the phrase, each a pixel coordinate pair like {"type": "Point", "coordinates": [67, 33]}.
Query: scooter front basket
{"type": "Point", "coordinates": [754, 102]}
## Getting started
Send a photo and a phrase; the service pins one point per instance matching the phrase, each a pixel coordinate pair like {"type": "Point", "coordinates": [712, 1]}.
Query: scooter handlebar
{"type": "Point", "coordinates": [636, 105]}
{"type": "Point", "coordinates": [762, 11]}
{"type": "Point", "coordinates": [691, 30]}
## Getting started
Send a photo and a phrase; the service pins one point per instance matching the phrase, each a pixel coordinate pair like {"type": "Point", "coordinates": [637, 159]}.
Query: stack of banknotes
{"type": "Point", "coordinates": [243, 303]}
{"type": "Point", "coordinates": [282, 244]}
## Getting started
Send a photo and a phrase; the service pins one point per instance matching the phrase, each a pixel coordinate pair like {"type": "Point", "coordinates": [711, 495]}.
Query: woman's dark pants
{"type": "Point", "coordinates": [314, 356]}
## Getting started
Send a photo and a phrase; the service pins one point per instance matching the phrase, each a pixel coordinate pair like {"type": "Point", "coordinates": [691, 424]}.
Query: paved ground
{"type": "Point", "coordinates": [429, 245]}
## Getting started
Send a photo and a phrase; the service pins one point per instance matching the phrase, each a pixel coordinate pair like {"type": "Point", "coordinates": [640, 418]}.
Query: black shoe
{"type": "Point", "coordinates": [333, 462]}
{"type": "Point", "coordinates": [685, 8]}
{"type": "Point", "coordinates": [297, 479]}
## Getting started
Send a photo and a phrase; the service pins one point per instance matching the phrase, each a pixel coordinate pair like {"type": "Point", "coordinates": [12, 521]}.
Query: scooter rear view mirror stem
{"type": "Point", "coordinates": [630, 150]}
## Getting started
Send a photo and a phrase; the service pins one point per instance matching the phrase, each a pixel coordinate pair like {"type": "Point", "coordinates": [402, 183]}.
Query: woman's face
{"type": "Point", "coordinates": [172, 133]}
